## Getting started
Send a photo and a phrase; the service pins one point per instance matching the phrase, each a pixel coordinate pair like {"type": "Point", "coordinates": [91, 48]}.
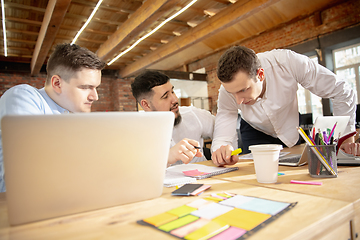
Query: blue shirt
{"type": "Point", "coordinates": [24, 100]}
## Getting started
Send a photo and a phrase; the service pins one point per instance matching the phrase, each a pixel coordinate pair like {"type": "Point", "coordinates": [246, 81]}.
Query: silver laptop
{"type": "Point", "coordinates": [57, 165]}
{"type": "Point", "coordinates": [294, 160]}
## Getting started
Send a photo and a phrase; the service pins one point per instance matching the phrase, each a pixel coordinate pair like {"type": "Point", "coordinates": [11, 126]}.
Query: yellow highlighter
{"type": "Point", "coordinates": [236, 152]}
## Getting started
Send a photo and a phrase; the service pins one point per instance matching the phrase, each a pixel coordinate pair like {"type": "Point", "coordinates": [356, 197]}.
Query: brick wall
{"type": "Point", "coordinates": [115, 94]}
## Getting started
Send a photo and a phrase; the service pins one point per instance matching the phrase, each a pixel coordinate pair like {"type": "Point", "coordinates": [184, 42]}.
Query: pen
{"type": "Point", "coordinates": [306, 182]}
{"type": "Point", "coordinates": [316, 151]}
{"type": "Point", "coordinates": [332, 130]}
{"type": "Point", "coordinates": [197, 147]}
{"type": "Point", "coordinates": [236, 152]}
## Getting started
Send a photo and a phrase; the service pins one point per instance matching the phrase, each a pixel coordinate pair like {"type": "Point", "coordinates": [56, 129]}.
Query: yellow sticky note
{"type": "Point", "coordinates": [242, 218]}
{"type": "Point", "coordinates": [160, 219]}
{"type": "Point", "coordinates": [214, 199]}
{"type": "Point", "coordinates": [182, 210]}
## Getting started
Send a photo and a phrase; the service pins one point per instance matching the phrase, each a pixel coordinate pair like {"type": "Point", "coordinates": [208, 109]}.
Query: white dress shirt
{"type": "Point", "coordinates": [196, 124]}
{"type": "Point", "coordinates": [276, 114]}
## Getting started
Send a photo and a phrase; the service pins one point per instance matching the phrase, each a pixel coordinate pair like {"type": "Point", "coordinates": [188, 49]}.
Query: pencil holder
{"type": "Point", "coordinates": [322, 161]}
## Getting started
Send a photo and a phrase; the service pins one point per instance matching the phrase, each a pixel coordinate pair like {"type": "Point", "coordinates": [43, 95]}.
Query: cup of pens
{"type": "Point", "coordinates": [322, 161]}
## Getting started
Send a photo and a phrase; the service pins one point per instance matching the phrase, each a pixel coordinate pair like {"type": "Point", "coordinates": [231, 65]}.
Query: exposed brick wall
{"type": "Point", "coordinates": [7, 80]}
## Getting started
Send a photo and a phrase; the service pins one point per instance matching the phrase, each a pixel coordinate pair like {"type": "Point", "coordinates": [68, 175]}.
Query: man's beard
{"type": "Point", "coordinates": [177, 120]}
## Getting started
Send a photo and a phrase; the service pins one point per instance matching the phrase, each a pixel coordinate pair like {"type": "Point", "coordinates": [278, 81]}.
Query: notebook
{"type": "Point", "coordinates": [57, 165]}
{"type": "Point", "coordinates": [188, 173]}
{"type": "Point", "coordinates": [294, 160]}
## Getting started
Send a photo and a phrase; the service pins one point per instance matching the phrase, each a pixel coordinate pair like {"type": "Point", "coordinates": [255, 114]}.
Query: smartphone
{"type": "Point", "coordinates": [186, 189]}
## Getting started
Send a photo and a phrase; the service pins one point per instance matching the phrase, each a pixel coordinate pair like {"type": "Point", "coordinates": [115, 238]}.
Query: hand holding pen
{"type": "Point", "coordinates": [185, 150]}
{"type": "Point", "coordinates": [225, 155]}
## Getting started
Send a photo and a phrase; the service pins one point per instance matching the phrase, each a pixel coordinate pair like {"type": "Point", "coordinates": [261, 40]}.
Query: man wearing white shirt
{"type": "Point", "coordinates": [154, 92]}
{"type": "Point", "coordinates": [73, 74]}
{"type": "Point", "coordinates": [263, 87]}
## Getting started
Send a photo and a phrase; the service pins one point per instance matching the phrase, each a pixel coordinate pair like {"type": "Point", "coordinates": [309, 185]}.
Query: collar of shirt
{"type": "Point", "coordinates": [54, 106]}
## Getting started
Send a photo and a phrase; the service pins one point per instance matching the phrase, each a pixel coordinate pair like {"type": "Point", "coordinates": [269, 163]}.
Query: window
{"type": "Point", "coordinates": [347, 66]}
{"type": "Point", "coordinates": [307, 101]}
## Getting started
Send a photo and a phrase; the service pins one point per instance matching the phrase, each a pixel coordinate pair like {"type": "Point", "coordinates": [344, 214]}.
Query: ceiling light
{"type": "Point", "coordinates": [151, 32]}
{"type": "Point", "coordinates": [87, 21]}
{"type": "Point", "coordinates": [4, 28]}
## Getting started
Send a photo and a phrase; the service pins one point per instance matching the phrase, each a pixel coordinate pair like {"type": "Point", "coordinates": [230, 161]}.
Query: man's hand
{"type": "Point", "coordinates": [351, 148]}
{"type": "Point", "coordinates": [222, 156]}
{"type": "Point", "coordinates": [185, 151]}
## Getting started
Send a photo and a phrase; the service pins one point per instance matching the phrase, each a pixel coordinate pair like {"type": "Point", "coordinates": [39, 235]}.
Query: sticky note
{"type": "Point", "coordinates": [243, 219]}
{"type": "Point", "coordinates": [224, 195]}
{"type": "Point", "coordinates": [214, 199]}
{"type": "Point", "coordinates": [264, 206]}
{"type": "Point", "coordinates": [185, 230]}
{"type": "Point", "coordinates": [231, 233]}
{"type": "Point", "coordinates": [160, 219]}
{"type": "Point", "coordinates": [192, 173]}
{"type": "Point", "coordinates": [211, 211]}
{"type": "Point", "coordinates": [208, 230]}
{"type": "Point", "coordinates": [182, 210]}
{"type": "Point", "coordinates": [167, 227]}
{"type": "Point", "coordinates": [199, 203]}
{"type": "Point", "coordinates": [236, 201]}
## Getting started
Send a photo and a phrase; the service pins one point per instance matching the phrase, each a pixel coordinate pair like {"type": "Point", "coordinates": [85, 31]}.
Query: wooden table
{"type": "Point", "coordinates": [346, 187]}
{"type": "Point", "coordinates": [316, 216]}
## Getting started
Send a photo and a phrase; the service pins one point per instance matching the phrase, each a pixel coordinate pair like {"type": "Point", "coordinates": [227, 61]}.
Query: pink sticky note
{"type": "Point", "coordinates": [229, 234]}
{"type": "Point", "coordinates": [195, 172]}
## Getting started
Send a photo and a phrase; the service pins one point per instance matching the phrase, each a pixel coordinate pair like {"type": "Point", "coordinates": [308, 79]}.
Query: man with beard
{"type": "Point", "coordinates": [154, 92]}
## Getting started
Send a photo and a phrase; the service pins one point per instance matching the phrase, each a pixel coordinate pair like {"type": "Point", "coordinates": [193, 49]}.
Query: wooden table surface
{"type": "Point", "coordinates": [322, 212]}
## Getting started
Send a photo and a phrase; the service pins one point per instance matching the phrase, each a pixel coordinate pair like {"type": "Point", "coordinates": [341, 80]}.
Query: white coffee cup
{"type": "Point", "coordinates": [266, 161]}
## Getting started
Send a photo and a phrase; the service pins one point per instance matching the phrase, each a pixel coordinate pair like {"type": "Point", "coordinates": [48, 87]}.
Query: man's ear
{"type": "Point", "coordinates": [56, 83]}
{"type": "Point", "coordinates": [145, 105]}
{"type": "Point", "coordinates": [261, 74]}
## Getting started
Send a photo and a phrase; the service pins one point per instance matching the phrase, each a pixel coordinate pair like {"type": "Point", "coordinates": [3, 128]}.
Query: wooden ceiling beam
{"type": "Point", "coordinates": [103, 6]}
{"type": "Point", "coordinates": [21, 20]}
{"type": "Point", "coordinates": [21, 41]}
{"type": "Point", "coordinates": [84, 19]}
{"type": "Point", "coordinates": [54, 15]}
{"type": "Point", "coordinates": [22, 6]}
{"type": "Point", "coordinates": [139, 21]}
{"type": "Point", "coordinates": [73, 28]}
{"type": "Point", "coordinates": [13, 30]}
{"type": "Point", "coordinates": [234, 13]}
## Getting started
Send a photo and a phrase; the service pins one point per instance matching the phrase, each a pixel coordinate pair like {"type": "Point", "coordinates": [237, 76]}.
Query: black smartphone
{"type": "Point", "coordinates": [186, 189]}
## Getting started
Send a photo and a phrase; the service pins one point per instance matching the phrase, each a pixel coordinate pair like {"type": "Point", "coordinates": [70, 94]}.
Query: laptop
{"type": "Point", "coordinates": [325, 122]}
{"type": "Point", "coordinates": [56, 165]}
{"type": "Point", "coordinates": [294, 160]}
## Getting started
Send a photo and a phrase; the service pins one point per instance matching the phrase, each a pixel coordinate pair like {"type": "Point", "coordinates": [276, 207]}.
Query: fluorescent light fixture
{"type": "Point", "coordinates": [151, 32]}
{"type": "Point", "coordinates": [4, 28]}
{"type": "Point", "coordinates": [87, 21]}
